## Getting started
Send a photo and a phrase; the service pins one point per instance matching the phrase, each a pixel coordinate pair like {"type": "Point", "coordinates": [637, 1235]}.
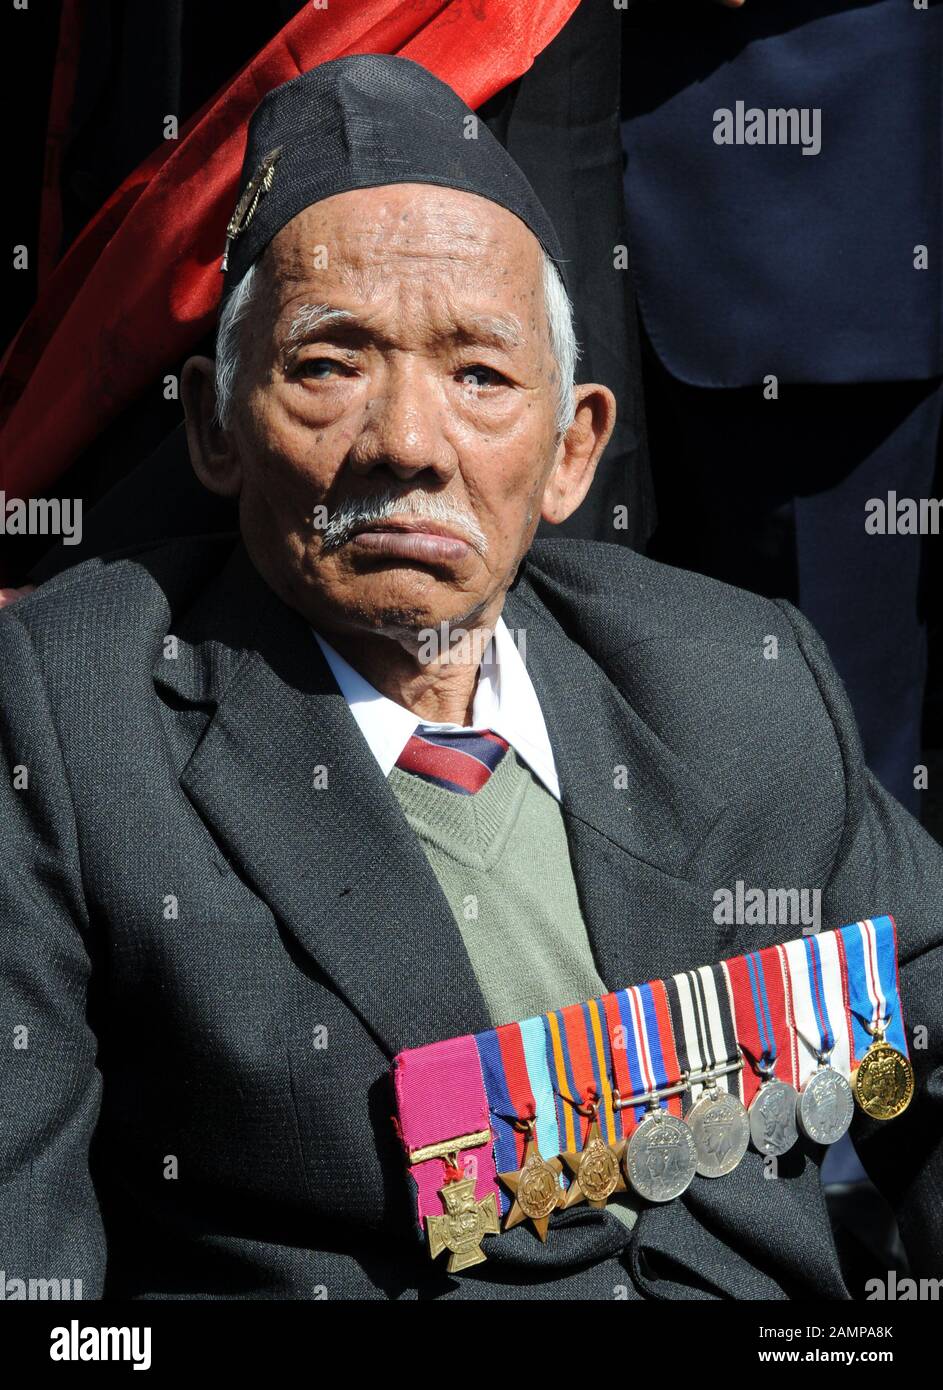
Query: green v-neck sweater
{"type": "Point", "coordinates": [502, 859]}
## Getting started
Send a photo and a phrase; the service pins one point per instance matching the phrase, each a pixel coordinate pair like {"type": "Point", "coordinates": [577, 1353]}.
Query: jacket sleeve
{"type": "Point", "coordinates": [50, 1087]}
{"type": "Point", "coordinates": [887, 863]}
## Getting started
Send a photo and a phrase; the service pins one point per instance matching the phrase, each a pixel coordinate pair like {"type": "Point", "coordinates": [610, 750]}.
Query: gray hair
{"type": "Point", "coordinates": [557, 304]}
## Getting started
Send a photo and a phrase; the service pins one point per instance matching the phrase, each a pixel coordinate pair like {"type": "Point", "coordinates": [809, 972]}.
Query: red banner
{"type": "Point", "coordinates": [141, 284]}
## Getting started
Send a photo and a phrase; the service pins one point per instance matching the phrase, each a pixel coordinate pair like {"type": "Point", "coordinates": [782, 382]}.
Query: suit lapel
{"type": "Point", "coordinates": [292, 792]}
{"type": "Point", "coordinates": [638, 820]}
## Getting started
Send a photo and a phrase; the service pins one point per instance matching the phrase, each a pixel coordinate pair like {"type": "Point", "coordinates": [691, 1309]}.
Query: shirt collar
{"type": "Point", "coordinates": [505, 701]}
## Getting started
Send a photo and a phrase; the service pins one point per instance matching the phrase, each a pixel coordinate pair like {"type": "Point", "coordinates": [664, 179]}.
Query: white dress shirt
{"type": "Point", "coordinates": [505, 702]}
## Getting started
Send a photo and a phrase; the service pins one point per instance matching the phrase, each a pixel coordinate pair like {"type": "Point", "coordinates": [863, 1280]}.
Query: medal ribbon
{"type": "Point", "coordinates": [814, 968]}
{"type": "Point", "coordinates": [790, 1040]}
{"type": "Point", "coordinates": [519, 1087]}
{"type": "Point", "coordinates": [869, 955]}
{"type": "Point", "coordinates": [501, 1053]}
{"type": "Point", "coordinates": [827, 988]}
{"type": "Point", "coordinates": [580, 1060]}
{"type": "Point", "coordinates": [650, 1053]}
{"type": "Point", "coordinates": [758, 991]}
{"type": "Point", "coordinates": [703, 1023]}
{"type": "Point", "coordinates": [623, 1050]}
{"type": "Point", "coordinates": [440, 1095]}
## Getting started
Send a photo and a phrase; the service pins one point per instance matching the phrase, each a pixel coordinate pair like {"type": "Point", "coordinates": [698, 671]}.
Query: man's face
{"type": "Point", "coordinates": [396, 346]}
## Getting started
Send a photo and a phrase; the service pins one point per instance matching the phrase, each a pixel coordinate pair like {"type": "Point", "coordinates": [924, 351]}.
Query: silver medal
{"type": "Point", "coordinates": [772, 1117]}
{"type": "Point", "coordinates": [826, 1106]}
{"type": "Point", "coordinates": [661, 1157]}
{"type": "Point", "coordinates": [721, 1130]}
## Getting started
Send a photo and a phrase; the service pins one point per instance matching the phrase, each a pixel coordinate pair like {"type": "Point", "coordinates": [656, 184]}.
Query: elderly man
{"type": "Point", "coordinates": [377, 772]}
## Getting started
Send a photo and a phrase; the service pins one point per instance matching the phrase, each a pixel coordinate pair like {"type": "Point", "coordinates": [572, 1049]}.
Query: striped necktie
{"type": "Point", "coordinates": [459, 760]}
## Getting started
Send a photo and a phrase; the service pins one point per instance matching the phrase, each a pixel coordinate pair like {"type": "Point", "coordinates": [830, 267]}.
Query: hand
{"type": "Point", "coordinates": [8, 596]}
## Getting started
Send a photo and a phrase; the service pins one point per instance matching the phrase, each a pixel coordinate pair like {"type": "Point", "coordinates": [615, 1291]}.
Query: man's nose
{"type": "Point", "coordinates": [403, 425]}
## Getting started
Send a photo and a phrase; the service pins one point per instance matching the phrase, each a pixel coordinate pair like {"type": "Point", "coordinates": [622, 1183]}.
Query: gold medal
{"type": "Point", "coordinates": [596, 1169]}
{"type": "Point", "coordinates": [535, 1188]}
{"type": "Point", "coordinates": [883, 1081]}
{"type": "Point", "coordinates": [466, 1221]}
{"type": "Point", "coordinates": [465, 1224]}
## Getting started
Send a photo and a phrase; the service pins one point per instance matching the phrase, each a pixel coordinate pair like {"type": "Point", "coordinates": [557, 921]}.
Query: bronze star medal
{"type": "Point", "coordinates": [596, 1169]}
{"type": "Point", "coordinates": [535, 1188]}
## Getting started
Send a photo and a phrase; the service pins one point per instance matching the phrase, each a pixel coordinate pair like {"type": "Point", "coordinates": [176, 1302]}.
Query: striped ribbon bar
{"type": "Point", "coordinates": [703, 1022]}
{"type": "Point", "coordinates": [520, 1087]}
{"type": "Point", "coordinates": [546, 1079]}
{"type": "Point", "coordinates": [871, 984]}
{"type": "Point", "coordinates": [760, 990]}
{"type": "Point", "coordinates": [818, 999]}
{"type": "Point", "coordinates": [649, 1055]}
{"type": "Point", "coordinates": [579, 1058]}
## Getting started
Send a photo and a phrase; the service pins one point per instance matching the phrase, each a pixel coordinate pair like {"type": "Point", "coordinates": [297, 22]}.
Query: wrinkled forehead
{"type": "Point", "coordinates": [369, 241]}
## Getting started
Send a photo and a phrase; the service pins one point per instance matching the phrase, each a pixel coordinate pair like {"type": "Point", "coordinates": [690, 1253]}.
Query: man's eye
{"type": "Point", "coordinates": [320, 368]}
{"type": "Point", "coordinates": [479, 376]}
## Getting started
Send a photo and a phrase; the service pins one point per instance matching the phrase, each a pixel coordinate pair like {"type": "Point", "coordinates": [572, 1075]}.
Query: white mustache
{"type": "Point", "coordinates": [368, 511]}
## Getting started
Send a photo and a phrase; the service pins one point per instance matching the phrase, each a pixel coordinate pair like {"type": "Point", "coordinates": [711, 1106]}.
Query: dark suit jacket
{"type": "Point", "coordinates": [182, 911]}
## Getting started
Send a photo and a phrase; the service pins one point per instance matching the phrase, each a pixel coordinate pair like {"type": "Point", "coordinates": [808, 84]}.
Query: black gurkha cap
{"type": "Point", "coordinates": [361, 122]}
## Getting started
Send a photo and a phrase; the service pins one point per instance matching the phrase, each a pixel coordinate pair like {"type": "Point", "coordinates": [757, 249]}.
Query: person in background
{"type": "Point", "coordinates": [789, 282]}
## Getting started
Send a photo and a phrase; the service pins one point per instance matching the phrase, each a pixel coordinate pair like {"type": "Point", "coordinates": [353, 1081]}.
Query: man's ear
{"type": "Point", "coordinates": [579, 451]}
{"type": "Point", "coordinates": [215, 461]}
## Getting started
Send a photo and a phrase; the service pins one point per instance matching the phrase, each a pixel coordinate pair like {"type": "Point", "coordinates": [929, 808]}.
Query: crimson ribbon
{"type": "Point", "coordinates": [140, 285]}
{"type": "Point", "coordinates": [753, 991]}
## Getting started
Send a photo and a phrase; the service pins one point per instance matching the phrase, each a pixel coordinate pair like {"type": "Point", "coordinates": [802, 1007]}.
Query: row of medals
{"type": "Point", "coordinates": [664, 1152]}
